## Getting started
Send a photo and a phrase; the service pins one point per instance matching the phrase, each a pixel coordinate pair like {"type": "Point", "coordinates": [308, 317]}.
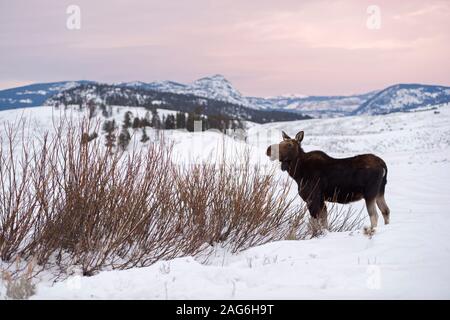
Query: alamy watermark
{"type": "Point", "coordinates": [73, 21]}
{"type": "Point", "coordinates": [373, 21]}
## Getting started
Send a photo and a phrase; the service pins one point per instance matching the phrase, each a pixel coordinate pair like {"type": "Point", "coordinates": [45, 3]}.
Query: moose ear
{"type": "Point", "coordinates": [285, 136]}
{"type": "Point", "coordinates": [299, 136]}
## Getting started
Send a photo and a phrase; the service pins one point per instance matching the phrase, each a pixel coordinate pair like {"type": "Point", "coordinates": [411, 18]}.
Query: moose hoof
{"type": "Point", "coordinates": [369, 231]}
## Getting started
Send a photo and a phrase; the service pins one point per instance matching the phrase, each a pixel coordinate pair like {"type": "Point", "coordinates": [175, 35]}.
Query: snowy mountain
{"type": "Point", "coordinates": [33, 95]}
{"type": "Point", "coordinates": [315, 106]}
{"type": "Point", "coordinates": [214, 87]}
{"type": "Point", "coordinates": [399, 97]}
{"type": "Point", "coordinates": [404, 97]}
{"type": "Point", "coordinates": [217, 87]}
{"type": "Point", "coordinates": [145, 95]}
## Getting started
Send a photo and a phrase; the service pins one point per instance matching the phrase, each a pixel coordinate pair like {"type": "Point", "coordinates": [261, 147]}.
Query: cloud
{"type": "Point", "coordinates": [265, 47]}
{"type": "Point", "coordinates": [428, 10]}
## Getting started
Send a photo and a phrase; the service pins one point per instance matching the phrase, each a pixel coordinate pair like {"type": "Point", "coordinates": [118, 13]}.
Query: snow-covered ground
{"type": "Point", "coordinates": [407, 259]}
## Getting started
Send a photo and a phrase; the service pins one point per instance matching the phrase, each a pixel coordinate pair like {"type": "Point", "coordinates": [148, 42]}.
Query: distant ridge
{"type": "Point", "coordinates": [395, 98]}
{"type": "Point", "coordinates": [404, 97]}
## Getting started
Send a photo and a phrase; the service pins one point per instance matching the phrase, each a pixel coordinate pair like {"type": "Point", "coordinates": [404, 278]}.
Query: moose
{"type": "Point", "coordinates": [321, 178]}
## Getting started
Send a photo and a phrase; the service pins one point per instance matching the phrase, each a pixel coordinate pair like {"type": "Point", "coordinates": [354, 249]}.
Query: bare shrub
{"type": "Point", "coordinates": [14, 206]}
{"type": "Point", "coordinates": [114, 209]}
{"type": "Point", "coordinates": [343, 219]}
{"type": "Point", "coordinates": [69, 201]}
{"type": "Point", "coordinates": [237, 205]}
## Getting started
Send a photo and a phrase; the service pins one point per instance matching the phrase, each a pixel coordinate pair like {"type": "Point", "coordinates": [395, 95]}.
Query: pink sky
{"type": "Point", "coordinates": [263, 47]}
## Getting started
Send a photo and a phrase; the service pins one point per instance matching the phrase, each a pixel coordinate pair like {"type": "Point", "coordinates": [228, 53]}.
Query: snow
{"type": "Point", "coordinates": [213, 87]}
{"type": "Point", "coordinates": [41, 92]}
{"type": "Point", "coordinates": [399, 97]}
{"type": "Point", "coordinates": [288, 96]}
{"type": "Point", "coordinates": [407, 259]}
{"type": "Point", "coordinates": [315, 106]}
{"type": "Point", "coordinates": [219, 88]}
{"type": "Point", "coordinates": [404, 97]}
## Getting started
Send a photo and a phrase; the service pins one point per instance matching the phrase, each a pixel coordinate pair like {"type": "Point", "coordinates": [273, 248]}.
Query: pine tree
{"type": "Point", "coordinates": [169, 124]}
{"type": "Point", "coordinates": [156, 121]}
{"type": "Point", "coordinates": [124, 139]}
{"type": "Point", "coordinates": [147, 120]}
{"type": "Point", "coordinates": [86, 137]}
{"type": "Point", "coordinates": [92, 108]}
{"type": "Point", "coordinates": [109, 127]}
{"type": "Point", "coordinates": [127, 120]}
{"type": "Point", "coordinates": [105, 111]}
{"type": "Point", "coordinates": [137, 123]}
{"type": "Point", "coordinates": [190, 122]}
{"type": "Point", "coordinates": [180, 120]}
{"type": "Point", "coordinates": [145, 137]}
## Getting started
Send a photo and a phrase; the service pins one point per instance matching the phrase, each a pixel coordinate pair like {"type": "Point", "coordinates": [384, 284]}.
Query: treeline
{"type": "Point", "coordinates": [194, 121]}
{"type": "Point", "coordinates": [215, 110]}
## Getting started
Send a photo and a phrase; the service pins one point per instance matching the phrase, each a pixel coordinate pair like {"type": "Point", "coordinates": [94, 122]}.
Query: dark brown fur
{"type": "Point", "coordinates": [321, 178]}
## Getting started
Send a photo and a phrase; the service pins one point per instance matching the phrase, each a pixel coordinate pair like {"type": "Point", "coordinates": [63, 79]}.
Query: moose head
{"type": "Point", "coordinates": [287, 150]}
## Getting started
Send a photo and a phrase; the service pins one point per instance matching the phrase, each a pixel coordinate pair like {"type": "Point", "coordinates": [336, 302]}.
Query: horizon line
{"type": "Point", "coordinates": [27, 84]}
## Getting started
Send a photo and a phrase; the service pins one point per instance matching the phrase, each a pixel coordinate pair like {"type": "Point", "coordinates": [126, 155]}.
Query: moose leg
{"type": "Point", "coordinates": [323, 216]}
{"type": "Point", "coordinates": [318, 213]}
{"type": "Point", "coordinates": [381, 203]}
{"type": "Point", "coordinates": [372, 210]}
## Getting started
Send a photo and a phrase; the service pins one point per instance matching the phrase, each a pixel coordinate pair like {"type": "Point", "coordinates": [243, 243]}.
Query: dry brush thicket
{"type": "Point", "coordinates": [66, 202]}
